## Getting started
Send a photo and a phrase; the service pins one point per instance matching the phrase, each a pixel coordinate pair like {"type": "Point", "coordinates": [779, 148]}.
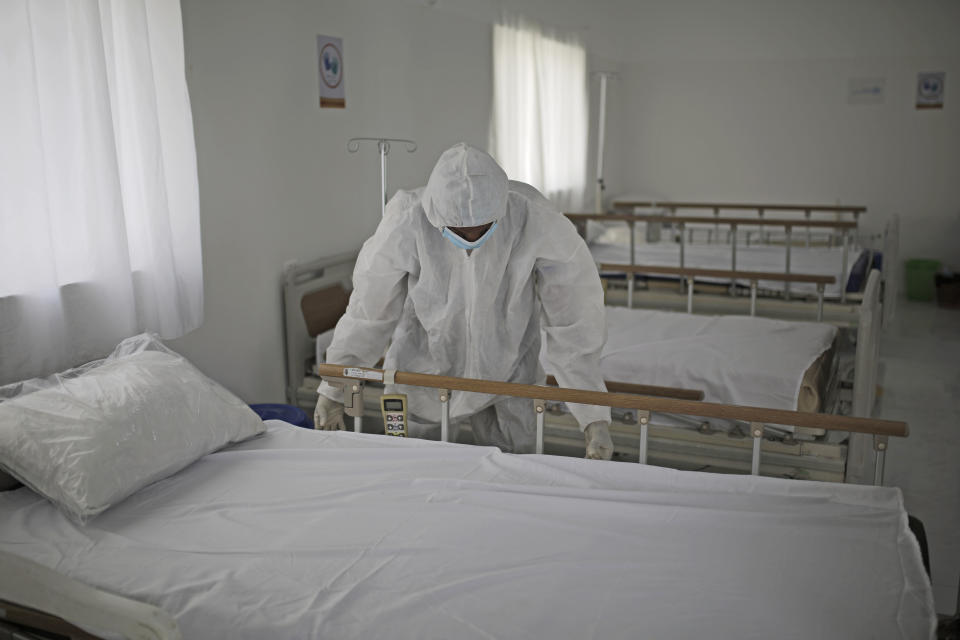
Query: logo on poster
{"type": "Point", "coordinates": [930, 87]}
{"type": "Point", "coordinates": [331, 65]}
{"type": "Point", "coordinates": [930, 90]}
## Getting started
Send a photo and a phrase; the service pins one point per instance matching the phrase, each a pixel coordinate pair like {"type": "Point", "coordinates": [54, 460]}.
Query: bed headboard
{"type": "Point", "coordinates": [315, 295]}
{"type": "Point", "coordinates": [322, 308]}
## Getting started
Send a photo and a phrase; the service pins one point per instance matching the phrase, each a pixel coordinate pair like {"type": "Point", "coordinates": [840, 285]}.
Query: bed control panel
{"type": "Point", "coordinates": [394, 409]}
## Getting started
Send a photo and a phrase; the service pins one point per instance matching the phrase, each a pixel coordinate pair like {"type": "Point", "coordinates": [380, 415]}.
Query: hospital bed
{"type": "Point", "coordinates": [754, 226]}
{"type": "Point", "coordinates": [711, 230]}
{"type": "Point", "coordinates": [758, 362]}
{"type": "Point", "coordinates": [849, 265]}
{"type": "Point", "coordinates": [836, 261]}
{"type": "Point", "coordinates": [805, 375]}
{"type": "Point", "coordinates": [300, 533]}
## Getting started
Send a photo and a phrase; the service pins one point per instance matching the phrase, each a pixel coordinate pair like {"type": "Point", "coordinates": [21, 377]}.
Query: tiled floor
{"type": "Point", "coordinates": [920, 376]}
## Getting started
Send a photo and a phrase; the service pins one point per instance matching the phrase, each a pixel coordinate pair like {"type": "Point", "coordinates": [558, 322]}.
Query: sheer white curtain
{"type": "Point", "coordinates": [539, 129]}
{"type": "Point", "coordinates": [99, 213]}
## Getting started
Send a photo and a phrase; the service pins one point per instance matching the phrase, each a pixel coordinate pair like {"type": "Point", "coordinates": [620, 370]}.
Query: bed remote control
{"type": "Point", "coordinates": [394, 409]}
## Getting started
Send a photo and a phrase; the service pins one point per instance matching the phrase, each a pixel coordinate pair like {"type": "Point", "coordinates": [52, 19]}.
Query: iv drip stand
{"type": "Point", "coordinates": [383, 145]}
{"type": "Point", "coordinates": [601, 137]}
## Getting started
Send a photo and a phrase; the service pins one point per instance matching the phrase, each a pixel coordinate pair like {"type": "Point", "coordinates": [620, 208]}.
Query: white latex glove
{"type": "Point", "coordinates": [328, 415]}
{"type": "Point", "coordinates": [599, 444]}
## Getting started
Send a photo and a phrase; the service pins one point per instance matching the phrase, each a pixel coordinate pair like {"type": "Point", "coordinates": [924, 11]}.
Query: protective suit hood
{"type": "Point", "coordinates": [467, 188]}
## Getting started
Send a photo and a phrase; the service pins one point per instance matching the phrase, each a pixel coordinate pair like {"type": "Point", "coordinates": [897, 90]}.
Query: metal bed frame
{"type": "Point", "coordinates": [741, 209]}
{"type": "Point", "coordinates": [300, 280]}
{"type": "Point", "coordinates": [688, 275]}
{"type": "Point", "coordinates": [840, 228]}
{"type": "Point", "coordinates": [862, 391]}
{"type": "Point", "coordinates": [734, 223]}
{"type": "Point", "coordinates": [674, 447]}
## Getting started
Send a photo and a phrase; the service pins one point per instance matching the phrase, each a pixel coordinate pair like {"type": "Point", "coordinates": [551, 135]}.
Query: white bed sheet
{"type": "Point", "coordinates": [742, 360]}
{"type": "Point", "coordinates": [312, 534]}
{"type": "Point", "coordinates": [825, 261]}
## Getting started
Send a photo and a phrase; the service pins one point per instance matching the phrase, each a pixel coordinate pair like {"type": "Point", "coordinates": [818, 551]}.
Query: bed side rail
{"type": "Point", "coordinates": [351, 380]}
{"type": "Point", "coordinates": [733, 206]}
{"type": "Point", "coordinates": [644, 389]}
{"type": "Point", "coordinates": [843, 227]}
{"type": "Point", "coordinates": [689, 274]}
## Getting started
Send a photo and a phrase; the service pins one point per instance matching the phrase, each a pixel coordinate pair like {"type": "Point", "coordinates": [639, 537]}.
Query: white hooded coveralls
{"type": "Point", "coordinates": [477, 315]}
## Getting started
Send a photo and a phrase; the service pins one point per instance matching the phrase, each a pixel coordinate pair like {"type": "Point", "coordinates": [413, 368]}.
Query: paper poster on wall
{"type": "Point", "coordinates": [866, 90]}
{"type": "Point", "coordinates": [330, 60]}
{"type": "Point", "coordinates": [930, 90]}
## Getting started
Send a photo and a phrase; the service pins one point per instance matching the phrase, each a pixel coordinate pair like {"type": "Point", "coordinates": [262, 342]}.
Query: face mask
{"type": "Point", "coordinates": [466, 244]}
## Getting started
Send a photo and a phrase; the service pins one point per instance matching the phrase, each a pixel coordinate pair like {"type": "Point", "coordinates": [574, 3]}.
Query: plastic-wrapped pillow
{"type": "Point", "coordinates": [91, 436]}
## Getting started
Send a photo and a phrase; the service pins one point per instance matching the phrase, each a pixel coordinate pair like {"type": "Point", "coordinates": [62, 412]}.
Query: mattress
{"type": "Point", "coordinates": [743, 360]}
{"type": "Point", "coordinates": [740, 360]}
{"type": "Point", "coordinates": [825, 261]}
{"type": "Point", "coordinates": [338, 535]}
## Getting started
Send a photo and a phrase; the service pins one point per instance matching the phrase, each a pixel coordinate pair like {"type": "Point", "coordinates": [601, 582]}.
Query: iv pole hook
{"type": "Point", "coordinates": [383, 146]}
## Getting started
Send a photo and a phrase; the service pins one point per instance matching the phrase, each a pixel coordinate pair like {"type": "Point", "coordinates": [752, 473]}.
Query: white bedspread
{"type": "Point", "coordinates": [824, 261]}
{"type": "Point", "coordinates": [740, 360]}
{"type": "Point", "coordinates": [303, 534]}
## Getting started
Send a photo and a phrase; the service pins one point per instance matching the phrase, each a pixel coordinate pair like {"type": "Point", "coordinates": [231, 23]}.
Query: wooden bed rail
{"type": "Point", "coordinates": [732, 222]}
{"type": "Point", "coordinates": [755, 415]}
{"type": "Point", "coordinates": [644, 389]}
{"type": "Point", "coordinates": [718, 273]}
{"type": "Point", "coordinates": [716, 206]}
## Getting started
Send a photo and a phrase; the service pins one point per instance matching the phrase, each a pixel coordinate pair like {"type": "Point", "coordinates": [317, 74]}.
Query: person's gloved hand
{"type": "Point", "coordinates": [599, 444]}
{"type": "Point", "coordinates": [328, 415]}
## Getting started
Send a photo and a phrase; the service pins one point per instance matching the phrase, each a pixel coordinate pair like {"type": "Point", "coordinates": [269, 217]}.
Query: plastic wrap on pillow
{"type": "Point", "coordinates": [91, 436]}
{"type": "Point", "coordinates": [130, 346]}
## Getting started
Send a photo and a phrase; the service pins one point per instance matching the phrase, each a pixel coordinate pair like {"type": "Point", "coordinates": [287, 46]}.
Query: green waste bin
{"type": "Point", "coordinates": [921, 279]}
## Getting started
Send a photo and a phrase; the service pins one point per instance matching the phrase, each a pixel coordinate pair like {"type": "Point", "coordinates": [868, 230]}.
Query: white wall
{"type": "Point", "coordinates": [749, 103]}
{"type": "Point", "coordinates": [276, 181]}
{"type": "Point", "coordinates": [783, 132]}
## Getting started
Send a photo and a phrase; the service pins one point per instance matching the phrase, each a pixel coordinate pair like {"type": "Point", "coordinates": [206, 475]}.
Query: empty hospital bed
{"type": "Point", "coordinates": [619, 244]}
{"type": "Point", "coordinates": [758, 362]}
{"type": "Point", "coordinates": [298, 533]}
{"type": "Point", "coordinates": [752, 213]}
{"type": "Point", "coordinates": [804, 375]}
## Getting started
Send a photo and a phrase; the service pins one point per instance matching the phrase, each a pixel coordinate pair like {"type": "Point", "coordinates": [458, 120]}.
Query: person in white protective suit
{"type": "Point", "coordinates": [461, 278]}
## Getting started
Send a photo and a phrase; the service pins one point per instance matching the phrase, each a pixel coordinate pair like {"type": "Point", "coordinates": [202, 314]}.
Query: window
{"type": "Point", "coordinates": [99, 213]}
{"type": "Point", "coordinates": [539, 131]}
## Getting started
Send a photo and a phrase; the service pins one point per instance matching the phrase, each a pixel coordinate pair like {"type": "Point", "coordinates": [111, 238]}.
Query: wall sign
{"type": "Point", "coordinates": [930, 90]}
{"type": "Point", "coordinates": [330, 61]}
{"type": "Point", "coordinates": [866, 90]}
